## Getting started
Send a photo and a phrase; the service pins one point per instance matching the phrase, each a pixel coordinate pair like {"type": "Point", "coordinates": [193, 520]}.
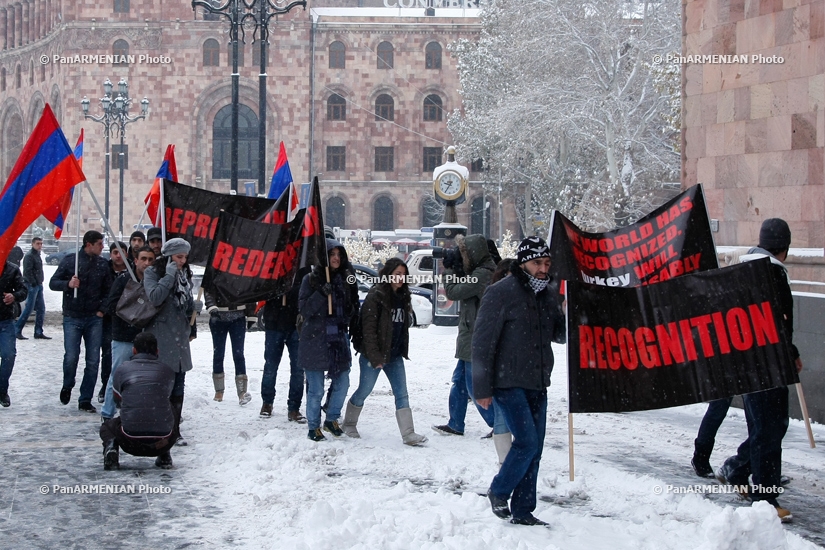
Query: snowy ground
{"type": "Point", "coordinates": [249, 482]}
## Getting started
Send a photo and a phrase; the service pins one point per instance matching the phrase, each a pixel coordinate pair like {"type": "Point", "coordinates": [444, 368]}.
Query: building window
{"type": "Point", "coordinates": [120, 49]}
{"type": "Point", "coordinates": [384, 159]}
{"type": "Point", "coordinates": [334, 214]}
{"type": "Point", "coordinates": [384, 108]}
{"type": "Point", "coordinates": [31, 73]}
{"type": "Point", "coordinates": [247, 143]}
{"type": "Point", "coordinates": [383, 214]}
{"type": "Point", "coordinates": [337, 56]}
{"type": "Point", "coordinates": [336, 108]}
{"type": "Point", "coordinates": [432, 213]}
{"type": "Point", "coordinates": [211, 53]}
{"type": "Point", "coordinates": [229, 54]}
{"type": "Point", "coordinates": [477, 165]}
{"type": "Point", "coordinates": [116, 157]}
{"type": "Point", "coordinates": [18, 76]}
{"type": "Point", "coordinates": [121, 6]}
{"type": "Point", "coordinates": [479, 217]}
{"type": "Point", "coordinates": [336, 159]}
{"type": "Point", "coordinates": [3, 79]}
{"type": "Point", "coordinates": [432, 108]}
{"type": "Point", "coordinates": [432, 158]}
{"type": "Point", "coordinates": [433, 55]}
{"type": "Point", "coordinates": [385, 55]}
{"type": "Point", "coordinates": [256, 54]}
{"type": "Point", "coordinates": [42, 73]}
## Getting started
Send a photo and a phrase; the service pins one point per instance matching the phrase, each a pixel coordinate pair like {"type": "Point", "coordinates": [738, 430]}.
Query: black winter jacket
{"type": "Point", "coordinates": [33, 268]}
{"type": "Point", "coordinates": [282, 316]}
{"type": "Point", "coordinates": [376, 324]}
{"type": "Point", "coordinates": [512, 336]}
{"type": "Point", "coordinates": [11, 282]}
{"type": "Point", "coordinates": [95, 283]}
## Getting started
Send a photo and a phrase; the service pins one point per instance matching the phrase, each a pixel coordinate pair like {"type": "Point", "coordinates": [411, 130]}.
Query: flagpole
{"type": "Point", "coordinates": [111, 233]}
{"type": "Point", "coordinates": [162, 211]}
{"type": "Point", "coordinates": [145, 209]}
{"type": "Point", "coordinates": [77, 234]}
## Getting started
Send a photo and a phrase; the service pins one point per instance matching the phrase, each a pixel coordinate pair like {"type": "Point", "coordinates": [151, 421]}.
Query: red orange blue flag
{"type": "Point", "coordinates": [59, 211]}
{"type": "Point", "coordinates": [168, 170]}
{"type": "Point", "coordinates": [45, 171]}
{"type": "Point", "coordinates": [282, 176]}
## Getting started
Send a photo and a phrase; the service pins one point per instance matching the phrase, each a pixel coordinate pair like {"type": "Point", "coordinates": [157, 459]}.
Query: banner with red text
{"type": "Point", "coordinates": [691, 339]}
{"type": "Point", "coordinates": [672, 240]}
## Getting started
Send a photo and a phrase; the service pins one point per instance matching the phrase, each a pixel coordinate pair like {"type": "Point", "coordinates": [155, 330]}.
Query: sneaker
{"type": "Point", "coordinates": [784, 514]}
{"type": "Point", "coordinates": [65, 395]}
{"type": "Point", "coordinates": [164, 461]}
{"type": "Point", "coordinates": [530, 519]}
{"type": "Point", "coordinates": [101, 397]}
{"type": "Point", "coordinates": [316, 435]}
{"type": "Point", "coordinates": [784, 480]}
{"type": "Point", "coordinates": [266, 410]}
{"type": "Point", "coordinates": [4, 400]}
{"type": "Point", "coordinates": [332, 427]}
{"type": "Point", "coordinates": [86, 407]}
{"type": "Point", "coordinates": [296, 416]}
{"type": "Point", "coordinates": [181, 442]}
{"type": "Point", "coordinates": [21, 337]}
{"type": "Point", "coordinates": [488, 435]}
{"type": "Point", "coordinates": [702, 467]}
{"type": "Point", "coordinates": [41, 336]}
{"type": "Point", "coordinates": [446, 430]}
{"type": "Point", "coordinates": [499, 505]}
{"type": "Point", "coordinates": [723, 477]}
{"type": "Point", "coordinates": [110, 457]}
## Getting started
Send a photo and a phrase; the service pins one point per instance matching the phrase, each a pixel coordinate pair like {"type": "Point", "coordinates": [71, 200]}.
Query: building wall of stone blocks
{"type": "Point", "coordinates": [754, 133]}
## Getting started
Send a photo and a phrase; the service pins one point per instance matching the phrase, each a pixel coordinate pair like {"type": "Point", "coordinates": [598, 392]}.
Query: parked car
{"type": "Point", "coordinates": [422, 298]}
{"type": "Point", "coordinates": [420, 264]}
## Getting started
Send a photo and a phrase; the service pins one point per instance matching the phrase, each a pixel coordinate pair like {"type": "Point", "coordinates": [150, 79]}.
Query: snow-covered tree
{"type": "Point", "coordinates": [361, 251]}
{"type": "Point", "coordinates": [563, 98]}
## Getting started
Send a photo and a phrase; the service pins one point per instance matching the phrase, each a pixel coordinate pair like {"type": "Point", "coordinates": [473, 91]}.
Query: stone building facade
{"type": "Point", "coordinates": [359, 93]}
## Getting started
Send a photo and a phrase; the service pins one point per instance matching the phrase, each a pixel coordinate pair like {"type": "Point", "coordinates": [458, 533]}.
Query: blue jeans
{"type": "Point", "coordinates": [236, 330]}
{"type": "Point", "coordinates": [369, 376]}
{"type": "Point", "coordinates": [34, 301]}
{"type": "Point", "coordinates": [121, 352]}
{"type": "Point", "coordinates": [106, 352]}
{"type": "Point", "coordinates": [460, 392]}
{"type": "Point", "coordinates": [525, 412]}
{"type": "Point", "coordinates": [315, 392]}
{"type": "Point", "coordinates": [706, 438]}
{"type": "Point", "coordinates": [273, 351]}
{"type": "Point", "coordinates": [90, 329]}
{"type": "Point", "coordinates": [8, 351]}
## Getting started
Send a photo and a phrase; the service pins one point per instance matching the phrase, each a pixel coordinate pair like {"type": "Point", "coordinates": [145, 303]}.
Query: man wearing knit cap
{"type": "Point", "coordinates": [136, 241]}
{"type": "Point", "coordinates": [760, 455]}
{"type": "Point", "coordinates": [512, 360]}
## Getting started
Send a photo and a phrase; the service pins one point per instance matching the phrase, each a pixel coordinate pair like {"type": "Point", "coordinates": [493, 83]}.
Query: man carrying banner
{"type": "Point", "coordinates": [512, 360]}
{"type": "Point", "coordinates": [33, 276]}
{"type": "Point", "coordinates": [12, 291]}
{"type": "Point", "coordinates": [766, 412]}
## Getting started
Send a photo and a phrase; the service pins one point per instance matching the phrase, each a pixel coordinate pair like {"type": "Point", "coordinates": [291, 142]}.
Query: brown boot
{"type": "Point", "coordinates": [296, 416]}
{"type": "Point", "coordinates": [218, 380]}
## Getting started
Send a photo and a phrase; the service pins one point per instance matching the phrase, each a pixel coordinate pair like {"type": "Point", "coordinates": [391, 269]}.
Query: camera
{"type": "Point", "coordinates": [450, 258]}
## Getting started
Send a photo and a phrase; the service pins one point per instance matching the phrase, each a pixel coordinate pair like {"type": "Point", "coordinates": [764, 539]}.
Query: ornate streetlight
{"type": "Point", "coordinates": [255, 15]}
{"type": "Point", "coordinates": [115, 117]}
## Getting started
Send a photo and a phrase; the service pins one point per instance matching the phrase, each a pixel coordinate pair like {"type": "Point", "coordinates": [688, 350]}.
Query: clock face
{"type": "Point", "coordinates": [449, 183]}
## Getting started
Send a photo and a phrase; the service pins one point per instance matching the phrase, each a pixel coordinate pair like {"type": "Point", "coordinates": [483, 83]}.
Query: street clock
{"type": "Point", "coordinates": [450, 180]}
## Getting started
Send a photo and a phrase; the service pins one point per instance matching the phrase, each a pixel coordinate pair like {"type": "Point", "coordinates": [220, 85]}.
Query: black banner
{"type": "Point", "coordinates": [695, 338]}
{"type": "Point", "coordinates": [672, 240]}
{"type": "Point", "coordinates": [192, 214]}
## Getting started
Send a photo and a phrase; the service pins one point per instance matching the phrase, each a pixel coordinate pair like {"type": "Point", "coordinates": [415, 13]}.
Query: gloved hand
{"type": "Point", "coordinates": [171, 267]}
{"type": "Point", "coordinates": [325, 289]}
{"type": "Point", "coordinates": [449, 259]}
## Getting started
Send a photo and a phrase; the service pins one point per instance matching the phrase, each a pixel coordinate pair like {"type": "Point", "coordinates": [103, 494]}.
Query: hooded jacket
{"type": "Point", "coordinates": [11, 282]}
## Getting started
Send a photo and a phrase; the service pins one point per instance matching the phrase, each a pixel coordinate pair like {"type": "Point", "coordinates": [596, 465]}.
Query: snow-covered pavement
{"type": "Point", "coordinates": [249, 482]}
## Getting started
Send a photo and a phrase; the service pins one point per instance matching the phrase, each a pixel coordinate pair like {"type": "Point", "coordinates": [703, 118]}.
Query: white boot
{"type": "Point", "coordinates": [217, 380]}
{"type": "Point", "coordinates": [241, 382]}
{"type": "Point", "coordinates": [405, 425]}
{"type": "Point", "coordinates": [351, 420]}
{"type": "Point", "coordinates": [503, 442]}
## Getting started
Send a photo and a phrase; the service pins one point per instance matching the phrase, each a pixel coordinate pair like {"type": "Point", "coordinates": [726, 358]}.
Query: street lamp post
{"type": "Point", "coordinates": [115, 117]}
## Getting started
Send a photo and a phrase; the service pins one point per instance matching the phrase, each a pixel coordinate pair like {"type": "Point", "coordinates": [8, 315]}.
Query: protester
{"type": "Point", "coordinates": [229, 320]}
{"type": "Point", "coordinates": [324, 342]}
{"type": "Point", "coordinates": [82, 315]}
{"type": "Point", "coordinates": [504, 440]}
{"type": "Point", "coordinates": [13, 290]}
{"type": "Point", "coordinates": [280, 316]}
{"type": "Point", "coordinates": [147, 425]}
{"type": "Point", "coordinates": [117, 265]}
{"type": "Point", "coordinates": [123, 334]}
{"type": "Point", "coordinates": [512, 361]}
{"type": "Point", "coordinates": [706, 438]}
{"type": "Point", "coordinates": [15, 256]}
{"type": "Point", "coordinates": [168, 284]}
{"type": "Point", "coordinates": [155, 240]}
{"type": "Point", "coordinates": [760, 455]}
{"type": "Point", "coordinates": [136, 241]}
{"type": "Point", "coordinates": [33, 277]}
{"type": "Point", "coordinates": [385, 322]}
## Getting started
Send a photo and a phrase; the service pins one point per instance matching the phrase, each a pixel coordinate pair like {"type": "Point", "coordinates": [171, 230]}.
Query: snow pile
{"type": "Point", "coordinates": [748, 528]}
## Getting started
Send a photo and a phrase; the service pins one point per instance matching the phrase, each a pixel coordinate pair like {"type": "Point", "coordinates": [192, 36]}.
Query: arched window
{"type": "Point", "coordinates": [334, 214]}
{"type": "Point", "coordinates": [211, 53]}
{"type": "Point", "coordinates": [385, 51]}
{"type": "Point", "coordinates": [247, 143]}
{"type": "Point", "coordinates": [432, 213]}
{"type": "Point", "coordinates": [479, 218]}
{"type": "Point", "coordinates": [337, 56]}
{"type": "Point", "coordinates": [336, 108]}
{"type": "Point", "coordinates": [42, 73]}
{"type": "Point", "coordinates": [383, 214]}
{"type": "Point", "coordinates": [121, 6]}
{"type": "Point", "coordinates": [13, 141]}
{"type": "Point", "coordinates": [18, 76]}
{"type": "Point", "coordinates": [31, 73]}
{"type": "Point", "coordinates": [384, 108]}
{"type": "Point", "coordinates": [432, 108]}
{"type": "Point", "coordinates": [433, 55]}
{"type": "Point", "coordinates": [120, 49]}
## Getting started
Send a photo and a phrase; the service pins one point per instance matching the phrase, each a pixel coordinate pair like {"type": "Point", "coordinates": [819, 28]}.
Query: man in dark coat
{"type": "Point", "coordinates": [12, 291]}
{"type": "Point", "coordinates": [82, 315]}
{"type": "Point", "coordinates": [147, 425]}
{"type": "Point", "coordinates": [117, 266]}
{"type": "Point", "coordinates": [33, 277]}
{"type": "Point", "coordinates": [512, 360]}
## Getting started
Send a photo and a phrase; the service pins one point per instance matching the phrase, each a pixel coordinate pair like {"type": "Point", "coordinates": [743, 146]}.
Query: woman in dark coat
{"type": "Point", "coordinates": [324, 341]}
{"type": "Point", "coordinates": [385, 321]}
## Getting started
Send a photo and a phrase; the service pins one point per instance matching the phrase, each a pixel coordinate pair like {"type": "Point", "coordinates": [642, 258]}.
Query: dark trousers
{"type": "Point", "coordinates": [236, 329]}
{"type": "Point", "coordinates": [106, 353]}
{"type": "Point", "coordinates": [706, 438]}
{"type": "Point", "coordinates": [111, 430]}
{"type": "Point", "coordinates": [273, 351]}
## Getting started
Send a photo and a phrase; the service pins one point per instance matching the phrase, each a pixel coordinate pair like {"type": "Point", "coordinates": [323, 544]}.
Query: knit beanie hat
{"type": "Point", "coordinates": [175, 246]}
{"type": "Point", "coordinates": [774, 234]}
{"type": "Point", "coordinates": [532, 248]}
